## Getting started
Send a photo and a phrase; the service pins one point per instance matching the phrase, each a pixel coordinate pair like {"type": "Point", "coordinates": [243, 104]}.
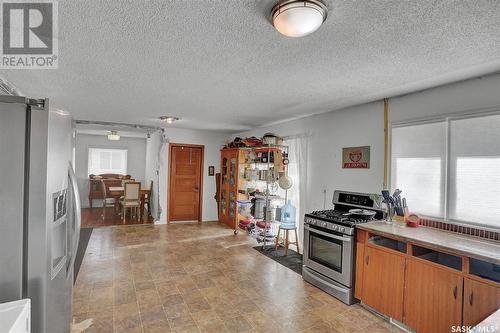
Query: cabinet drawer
{"type": "Point", "coordinates": [387, 243]}
{"type": "Point", "coordinates": [485, 270]}
{"type": "Point", "coordinates": [438, 257]}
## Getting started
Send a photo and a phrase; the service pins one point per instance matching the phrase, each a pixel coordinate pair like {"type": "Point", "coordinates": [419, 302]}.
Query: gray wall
{"type": "Point", "coordinates": [363, 125]}
{"type": "Point", "coordinates": [136, 157]}
{"type": "Point", "coordinates": [157, 159]}
{"type": "Point", "coordinates": [154, 148]}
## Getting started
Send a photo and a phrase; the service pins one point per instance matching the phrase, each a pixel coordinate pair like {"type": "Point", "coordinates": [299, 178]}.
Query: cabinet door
{"type": "Point", "coordinates": [383, 282]}
{"type": "Point", "coordinates": [433, 298]}
{"type": "Point", "coordinates": [480, 301]}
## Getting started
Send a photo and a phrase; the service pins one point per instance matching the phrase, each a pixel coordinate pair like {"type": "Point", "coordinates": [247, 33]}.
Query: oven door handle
{"type": "Point", "coordinates": [344, 239]}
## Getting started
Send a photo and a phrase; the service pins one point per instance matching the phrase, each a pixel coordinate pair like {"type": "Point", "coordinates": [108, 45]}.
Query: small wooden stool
{"type": "Point", "coordinates": [286, 227]}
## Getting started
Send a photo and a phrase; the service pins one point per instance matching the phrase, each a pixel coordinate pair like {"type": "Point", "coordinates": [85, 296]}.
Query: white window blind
{"type": "Point", "coordinates": [474, 191]}
{"type": "Point", "coordinates": [107, 161]}
{"type": "Point", "coordinates": [418, 166]}
{"type": "Point", "coordinates": [450, 169]}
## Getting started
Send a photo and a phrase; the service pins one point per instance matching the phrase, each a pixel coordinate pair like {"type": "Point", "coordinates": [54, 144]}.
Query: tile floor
{"type": "Point", "coordinates": [93, 218]}
{"type": "Point", "coordinates": [200, 278]}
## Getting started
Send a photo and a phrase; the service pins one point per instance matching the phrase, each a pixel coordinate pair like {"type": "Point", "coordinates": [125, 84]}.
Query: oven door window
{"type": "Point", "coordinates": [325, 251]}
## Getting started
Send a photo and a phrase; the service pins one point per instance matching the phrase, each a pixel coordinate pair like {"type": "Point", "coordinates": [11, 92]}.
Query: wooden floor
{"type": "Point", "coordinates": [92, 218]}
{"type": "Point", "coordinates": [200, 278]}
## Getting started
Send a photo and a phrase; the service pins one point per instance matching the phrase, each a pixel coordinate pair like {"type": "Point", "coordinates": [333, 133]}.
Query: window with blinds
{"type": "Point", "coordinates": [418, 166]}
{"type": "Point", "coordinates": [107, 161]}
{"type": "Point", "coordinates": [450, 169]}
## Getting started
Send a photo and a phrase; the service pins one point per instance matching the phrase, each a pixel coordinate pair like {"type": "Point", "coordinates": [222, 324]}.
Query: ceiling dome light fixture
{"type": "Point", "coordinates": [298, 18]}
{"type": "Point", "coordinates": [113, 136]}
{"type": "Point", "coordinates": [169, 119]}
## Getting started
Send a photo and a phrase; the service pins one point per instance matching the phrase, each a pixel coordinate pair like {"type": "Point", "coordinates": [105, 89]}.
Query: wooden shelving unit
{"type": "Point", "coordinates": [233, 184]}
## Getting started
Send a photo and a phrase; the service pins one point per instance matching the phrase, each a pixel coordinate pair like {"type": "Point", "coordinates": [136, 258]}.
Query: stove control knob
{"type": "Point", "coordinates": [341, 229]}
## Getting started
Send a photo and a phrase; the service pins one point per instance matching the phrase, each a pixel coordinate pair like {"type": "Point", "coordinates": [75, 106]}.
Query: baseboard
{"type": "Point", "coordinates": [159, 222]}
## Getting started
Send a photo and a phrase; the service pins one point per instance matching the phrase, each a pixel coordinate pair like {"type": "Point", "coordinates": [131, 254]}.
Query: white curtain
{"type": "Point", "coordinates": [297, 170]}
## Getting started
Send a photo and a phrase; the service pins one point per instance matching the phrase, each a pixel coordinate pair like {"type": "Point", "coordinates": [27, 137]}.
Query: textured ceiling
{"type": "Point", "coordinates": [102, 130]}
{"type": "Point", "coordinates": [219, 64]}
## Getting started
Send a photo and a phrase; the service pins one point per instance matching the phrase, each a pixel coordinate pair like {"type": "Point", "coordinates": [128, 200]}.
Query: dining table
{"type": "Point", "coordinates": [119, 191]}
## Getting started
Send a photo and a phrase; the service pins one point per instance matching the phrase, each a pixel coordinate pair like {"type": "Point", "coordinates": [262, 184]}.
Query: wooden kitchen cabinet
{"type": "Point", "coordinates": [358, 285]}
{"type": "Point", "coordinates": [481, 299]}
{"type": "Point", "coordinates": [427, 289]}
{"type": "Point", "coordinates": [433, 297]}
{"type": "Point", "coordinates": [383, 281]}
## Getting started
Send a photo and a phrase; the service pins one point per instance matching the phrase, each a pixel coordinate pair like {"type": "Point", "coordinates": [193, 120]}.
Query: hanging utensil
{"type": "Point", "coordinates": [285, 182]}
{"type": "Point", "coordinates": [387, 197]}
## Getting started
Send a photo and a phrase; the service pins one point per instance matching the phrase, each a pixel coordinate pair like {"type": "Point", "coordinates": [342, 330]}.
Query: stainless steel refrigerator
{"type": "Point", "coordinates": [39, 210]}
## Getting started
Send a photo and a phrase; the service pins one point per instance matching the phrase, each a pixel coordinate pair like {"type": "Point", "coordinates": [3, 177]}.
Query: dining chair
{"type": "Point", "coordinates": [125, 181]}
{"type": "Point", "coordinates": [131, 199]}
{"type": "Point", "coordinates": [147, 198]}
{"type": "Point", "coordinates": [107, 201]}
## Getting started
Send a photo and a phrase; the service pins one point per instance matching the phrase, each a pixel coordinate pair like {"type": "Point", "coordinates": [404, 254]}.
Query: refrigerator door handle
{"type": "Point", "coordinates": [77, 212]}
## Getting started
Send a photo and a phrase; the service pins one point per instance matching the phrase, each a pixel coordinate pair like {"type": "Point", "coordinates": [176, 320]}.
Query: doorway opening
{"type": "Point", "coordinates": [185, 188]}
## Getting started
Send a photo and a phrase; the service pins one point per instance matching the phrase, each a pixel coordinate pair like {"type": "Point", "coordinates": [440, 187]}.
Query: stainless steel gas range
{"type": "Point", "coordinates": [330, 244]}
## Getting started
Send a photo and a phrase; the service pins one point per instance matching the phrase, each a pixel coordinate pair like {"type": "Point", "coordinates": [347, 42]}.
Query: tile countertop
{"type": "Point", "coordinates": [455, 243]}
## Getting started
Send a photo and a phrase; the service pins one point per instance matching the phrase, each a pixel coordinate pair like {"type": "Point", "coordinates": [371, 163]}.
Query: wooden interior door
{"type": "Point", "coordinates": [383, 282]}
{"type": "Point", "coordinates": [433, 298]}
{"type": "Point", "coordinates": [480, 300]}
{"type": "Point", "coordinates": [185, 185]}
